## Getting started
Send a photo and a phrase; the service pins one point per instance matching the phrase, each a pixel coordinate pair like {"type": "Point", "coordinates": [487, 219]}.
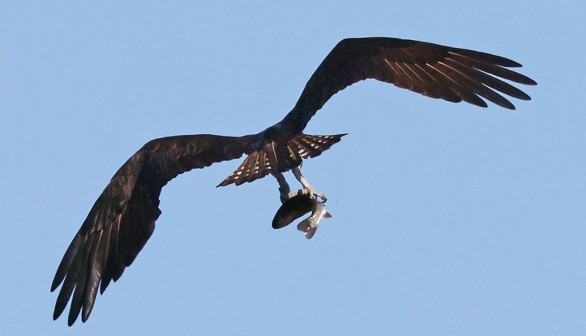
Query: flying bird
{"type": "Point", "coordinates": [123, 217]}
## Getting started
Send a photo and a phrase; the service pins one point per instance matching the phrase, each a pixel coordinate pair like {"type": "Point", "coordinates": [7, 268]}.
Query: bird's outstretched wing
{"type": "Point", "coordinates": [123, 217]}
{"type": "Point", "coordinates": [433, 70]}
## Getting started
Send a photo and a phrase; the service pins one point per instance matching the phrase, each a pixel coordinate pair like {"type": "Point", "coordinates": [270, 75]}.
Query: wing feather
{"type": "Point", "coordinates": [434, 70]}
{"type": "Point", "coordinates": [123, 217]}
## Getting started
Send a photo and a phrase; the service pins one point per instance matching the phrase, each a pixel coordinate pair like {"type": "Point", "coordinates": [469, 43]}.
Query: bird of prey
{"type": "Point", "coordinates": [123, 217]}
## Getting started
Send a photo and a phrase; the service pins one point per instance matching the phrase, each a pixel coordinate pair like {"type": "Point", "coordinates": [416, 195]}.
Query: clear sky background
{"type": "Point", "coordinates": [448, 219]}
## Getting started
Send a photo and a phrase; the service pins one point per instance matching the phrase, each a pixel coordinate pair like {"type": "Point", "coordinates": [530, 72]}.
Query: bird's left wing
{"type": "Point", "coordinates": [123, 217]}
{"type": "Point", "coordinates": [434, 70]}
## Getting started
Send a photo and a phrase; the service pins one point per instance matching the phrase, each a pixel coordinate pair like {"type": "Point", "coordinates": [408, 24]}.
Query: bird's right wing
{"type": "Point", "coordinates": [434, 70]}
{"type": "Point", "coordinates": [123, 217]}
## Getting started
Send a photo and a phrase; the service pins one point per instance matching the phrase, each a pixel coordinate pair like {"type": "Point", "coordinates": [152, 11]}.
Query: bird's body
{"type": "Point", "coordinates": [123, 217]}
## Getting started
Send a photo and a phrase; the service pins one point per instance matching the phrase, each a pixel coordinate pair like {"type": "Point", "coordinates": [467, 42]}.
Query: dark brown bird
{"type": "Point", "coordinates": [123, 217]}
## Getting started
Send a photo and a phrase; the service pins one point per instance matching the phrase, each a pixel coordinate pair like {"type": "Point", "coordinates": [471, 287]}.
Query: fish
{"type": "Point", "coordinates": [296, 207]}
{"type": "Point", "coordinates": [309, 225]}
{"type": "Point", "coordinates": [292, 209]}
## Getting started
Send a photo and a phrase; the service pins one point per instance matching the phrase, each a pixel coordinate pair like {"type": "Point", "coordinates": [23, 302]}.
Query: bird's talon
{"type": "Point", "coordinates": [319, 196]}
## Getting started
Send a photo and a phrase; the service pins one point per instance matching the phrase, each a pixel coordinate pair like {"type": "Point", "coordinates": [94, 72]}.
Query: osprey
{"type": "Point", "coordinates": [123, 217]}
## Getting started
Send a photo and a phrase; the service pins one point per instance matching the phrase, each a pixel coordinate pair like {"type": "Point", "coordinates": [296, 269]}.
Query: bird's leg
{"type": "Point", "coordinates": [307, 188]}
{"type": "Point", "coordinates": [284, 189]}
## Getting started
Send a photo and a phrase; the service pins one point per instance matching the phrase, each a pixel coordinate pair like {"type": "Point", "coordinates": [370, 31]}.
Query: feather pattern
{"type": "Point", "coordinates": [434, 70]}
{"type": "Point", "coordinates": [280, 158]}
{"type": "Point", "coordinates": [123, 218]}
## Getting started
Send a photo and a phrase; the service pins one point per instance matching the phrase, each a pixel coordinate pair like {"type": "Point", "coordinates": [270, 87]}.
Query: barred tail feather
{"type": "Point", "coordinates": [277, 158]}
{"type": "Point", "coordinates": [309, 146]}
{"type": "Point", "coordinates": [255, 166]}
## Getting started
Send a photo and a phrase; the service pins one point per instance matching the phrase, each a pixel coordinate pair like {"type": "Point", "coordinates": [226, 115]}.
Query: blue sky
{"type": "Point", "coordinates": [448, 219]}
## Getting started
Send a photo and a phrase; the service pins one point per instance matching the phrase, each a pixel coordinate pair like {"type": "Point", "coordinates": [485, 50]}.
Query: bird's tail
{"type": "Point", "coordinates": [278, 158]}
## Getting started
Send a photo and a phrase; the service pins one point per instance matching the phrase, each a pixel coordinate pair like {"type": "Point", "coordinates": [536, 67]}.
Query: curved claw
{"type": "Point", "coordinates": [287, 195]}
{"type": "Point", "coordinates": [308, 190]}
{"type": "Point", "coordinates": [323, 197]}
